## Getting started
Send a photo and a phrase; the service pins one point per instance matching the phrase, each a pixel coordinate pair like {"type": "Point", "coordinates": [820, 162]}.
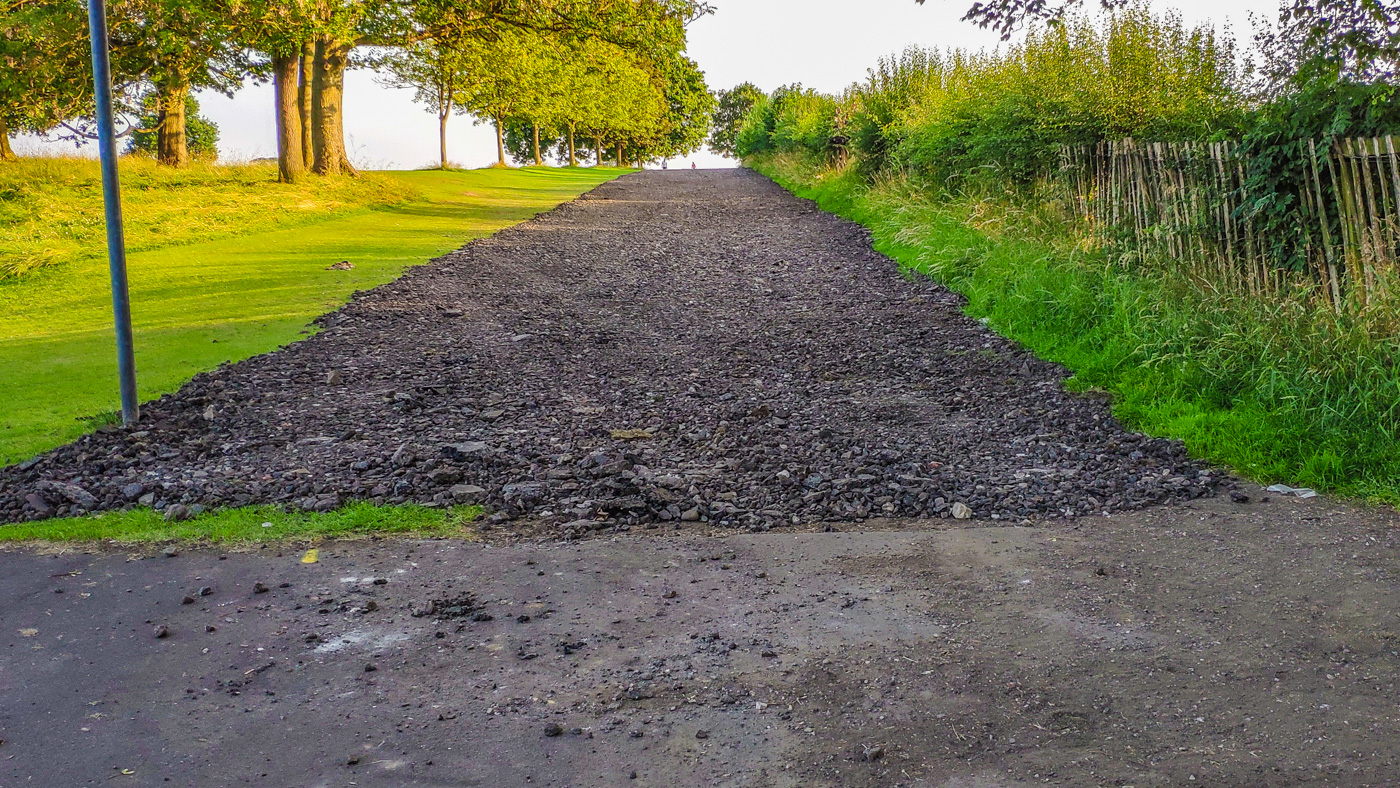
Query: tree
{"type": "Point", "coordinates": [437, 74]}
{"type": "Point", "coordinates": [201, 134]}
{"type": "Point", "coordinates": [494, 69]}
{"type": "Point", "coordinates": [730, 108]}
{"type": "Point", "coordinates": [46, 78]}
{"type": "Point", "coordinates": [1357, 37]}
{"type": "Point", "coordinates": [181, 45]}
{"type": "Point", "coordinates": [343, 25]}
{"type": "Point", "coordinates": [688, 106]}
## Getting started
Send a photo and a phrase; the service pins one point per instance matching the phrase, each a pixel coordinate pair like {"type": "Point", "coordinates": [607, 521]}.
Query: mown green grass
{"type": "Point", "coordinates": [51, 207]}
{"type": "Point", "coordinates": [248, 525]}
{"type": "Point", "coordinates": [199, 305]}
{"type": "Point", "coordinates": [1277, 390]}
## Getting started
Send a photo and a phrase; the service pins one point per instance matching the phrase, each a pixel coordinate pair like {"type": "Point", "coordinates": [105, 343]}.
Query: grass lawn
{"type": "Point", "coordinates": [248, 525]}
{"type": "Point", "coordinates": [198, 305]}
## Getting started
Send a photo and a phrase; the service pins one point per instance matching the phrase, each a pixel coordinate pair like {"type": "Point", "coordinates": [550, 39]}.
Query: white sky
{"type": "Point", "coordinates": [824, 44]}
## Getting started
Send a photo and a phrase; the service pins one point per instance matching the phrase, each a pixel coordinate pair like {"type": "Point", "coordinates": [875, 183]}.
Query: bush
{"type": "Point", "coordinates": [949, 116]}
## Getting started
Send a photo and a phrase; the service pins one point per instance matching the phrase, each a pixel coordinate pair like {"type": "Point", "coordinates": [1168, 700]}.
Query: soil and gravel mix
{"type": "Point", "coordinates": [671, 348]}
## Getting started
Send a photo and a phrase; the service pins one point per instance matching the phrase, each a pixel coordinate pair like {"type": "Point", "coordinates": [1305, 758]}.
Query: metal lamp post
{"type": "Point", "coordinates": [112, 201]}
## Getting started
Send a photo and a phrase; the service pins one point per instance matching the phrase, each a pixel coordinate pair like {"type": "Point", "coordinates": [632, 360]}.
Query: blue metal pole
{"type": "Point", "coordinates": [112, 200]}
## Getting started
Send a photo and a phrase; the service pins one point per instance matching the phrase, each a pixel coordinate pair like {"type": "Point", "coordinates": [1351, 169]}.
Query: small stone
{"type": "Point", "coordinates": [352, 760]}
{"type": "Point", "coordinates": [1238, 497]}
{"type": "Point", "coordinates": [961, 511]}
{"type": "Point", "coordinates": [522, 619]}
{"type": "Point", "coordinates": [371, 667]}
{"type": "Point", "coordinates": [469, 450]}
{"type": "Point", "coordinates": [205, 590]}
{"type": "Point", "coordinates": [132, 491]}
{"type": "Point", "coordinates": [176, 512]}
{"type": "Point", "coordinates": [75, 494]}
{"type": "Point", "coordinates": [259, 588]}
{"type": "Point", "coordinates": [690, 515]}
{"type": "Point", "coordinates": [553, 729]}
{"type": "Point", "coordinates": [162, 632]}
{"type": "Point", "coordinates": [702, 734]}
{"type": "Point", "coordinates": [380, 581]}
{"type": "Point", "coordinates": [149, 499]}
{"type": "Point", "coordinates": [669, 595]}
{"type": "Point", "coordinates": [210, 628]}
{"type": "Point", "coordinates": [872, 753]}
{"type": "Point", "coordinates": [40, 506]}
{"type": "Point", "coordinates": [333, 378]}
{"type": "Point", "coordinates": [210, 413]}
{"type": "Point", "coordinates": [187, 600]}
{"type": "Point", "coordinates": [446, 476]}
{"type": "Point", "coordinates": [467, 493]}
{"type": "Point", "coordinates": [170, 552]}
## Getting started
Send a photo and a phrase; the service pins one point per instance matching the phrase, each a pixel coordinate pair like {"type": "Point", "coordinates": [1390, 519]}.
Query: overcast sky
{"type": "Point", "coordinates": [824, 44]}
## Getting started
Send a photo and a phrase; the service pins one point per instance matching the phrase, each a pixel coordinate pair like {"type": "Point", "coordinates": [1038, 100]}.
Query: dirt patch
{"type": "Point", "coordinates": [673, 348]}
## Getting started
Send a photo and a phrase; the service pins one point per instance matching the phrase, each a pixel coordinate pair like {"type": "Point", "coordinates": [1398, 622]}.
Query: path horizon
{"type": "Point", "coordinates": [766, 512]}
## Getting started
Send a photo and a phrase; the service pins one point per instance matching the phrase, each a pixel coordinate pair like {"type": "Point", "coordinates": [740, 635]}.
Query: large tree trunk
{"type": "Point", "coordinates": [172, 146]}
{"type": "Point", "coordinates": [538, 161]}
{"type": "Point", "coordinates": [290, 164]}
{"type": "Point", "coordinates": [573, 158]}
{"type": "Point", "coordinates": [500, 144]}
{"type": "Point", "coordinates": [6, 152]}
{"type": "Point", "coordinates": [327, 119]}
{"type": "Point", "coordinates": [598, 147]}
{"type": "Point", "coordinates": [619, 154]}
{"type": "Point", "coordinates": [305, 77]}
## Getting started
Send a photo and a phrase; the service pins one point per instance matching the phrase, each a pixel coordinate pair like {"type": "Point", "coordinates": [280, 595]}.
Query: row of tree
{"type": "Point", "coordinates": [500, 48]}
{"type": "Point", "coordinates": [558, 91]}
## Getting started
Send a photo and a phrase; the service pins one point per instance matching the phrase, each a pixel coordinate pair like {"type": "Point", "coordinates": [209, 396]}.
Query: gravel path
{"type": "Point", "coordinates": [671, 348]}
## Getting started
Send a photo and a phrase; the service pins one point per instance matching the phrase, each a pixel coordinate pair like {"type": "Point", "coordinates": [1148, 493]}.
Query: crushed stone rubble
{"type": "Point", "coordinates": [673, 348]}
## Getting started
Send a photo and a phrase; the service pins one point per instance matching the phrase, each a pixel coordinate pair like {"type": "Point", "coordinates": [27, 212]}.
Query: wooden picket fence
{"type": "Point", "coordinates": [1181, 202]}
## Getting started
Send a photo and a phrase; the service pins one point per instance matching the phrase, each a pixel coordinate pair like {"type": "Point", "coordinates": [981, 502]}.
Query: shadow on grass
{"type": "Point", "coordinates": [249, 525]}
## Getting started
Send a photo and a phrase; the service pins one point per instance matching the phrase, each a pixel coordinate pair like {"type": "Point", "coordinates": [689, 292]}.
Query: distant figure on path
{"type": "Point", "coordinates": [692, 165]}
{"type": "Point", "coordinates": [663, 164]}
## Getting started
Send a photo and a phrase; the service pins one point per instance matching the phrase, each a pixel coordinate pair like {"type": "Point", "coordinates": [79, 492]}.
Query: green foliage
{"type": "Point", "coordinates": [952, 115]}
{"type": "Point", "coordinates": [1277, 154]}
{"type": "Point", "coordinates": [520, 143]}
{"type": "Point", "coordinates": [44, 66]}
{"type": "Point", "coordinates": [1276, 389]}
{"type": "Point", "coordinates": [201, 134]}
{"type": "Point", "coordinates": [730, 108]}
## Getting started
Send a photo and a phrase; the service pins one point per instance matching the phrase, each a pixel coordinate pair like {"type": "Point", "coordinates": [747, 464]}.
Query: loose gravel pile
{"type": "Point", "coordinates": [672, 347]}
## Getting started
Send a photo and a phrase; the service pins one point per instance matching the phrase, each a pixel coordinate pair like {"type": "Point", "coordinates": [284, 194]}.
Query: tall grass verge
{"type": "Point", "coordinates": [1275, 388]}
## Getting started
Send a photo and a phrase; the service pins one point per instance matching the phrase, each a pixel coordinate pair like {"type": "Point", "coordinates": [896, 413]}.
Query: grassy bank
{"type": "Point", "coordinates": [248, 525]}
{"type": "Point", "coordinates": [51, 208]}
{"type": "Point", "coordinates": [1276, 390]}
{"type": "Point", "coordinates": [198, 305]}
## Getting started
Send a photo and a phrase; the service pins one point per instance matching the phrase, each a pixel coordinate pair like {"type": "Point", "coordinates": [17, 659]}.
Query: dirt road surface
{"type": "Point", "coordinates": [782, 635]}
{"type": "Point", "coordinates": [1205, 644]}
